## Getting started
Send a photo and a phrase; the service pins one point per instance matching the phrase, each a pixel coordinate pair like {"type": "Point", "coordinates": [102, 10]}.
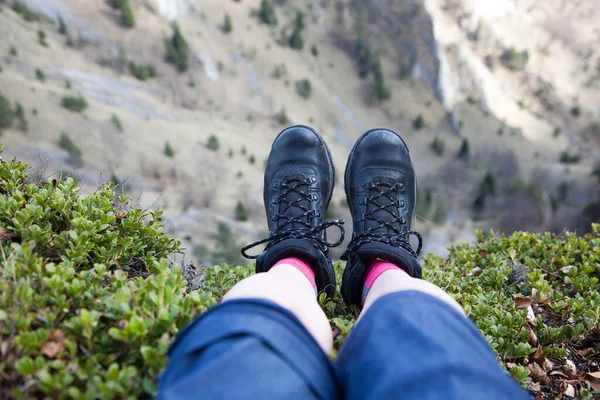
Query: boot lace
{"type": "Point", "coordinates": [297, 218]}
{"type": "Point", "coordinates": [383, 219]}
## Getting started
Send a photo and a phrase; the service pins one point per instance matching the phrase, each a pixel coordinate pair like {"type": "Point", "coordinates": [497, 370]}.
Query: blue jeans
{"type": "Point", "coordinates": [408, 345]}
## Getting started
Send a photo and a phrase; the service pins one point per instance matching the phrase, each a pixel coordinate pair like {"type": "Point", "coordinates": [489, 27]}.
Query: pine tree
{"type": "Point", "coordinates": [465, 150]}
{"type": "Point", "coordinates": [169, 151]}
{"type": "Point", "coordinates": [227, 25]}
{"type": "Point", "coordinates": [177, 49]}
{"type": "Point", "coordinates": [241, 214]}
{"type": "Point", "coordinates": [127, 16]}
{"type": "Point", "coordinates": [296, 41]}
{"type": "Point", "coordinates": [267, 13]}
{"type": "Point", "coordinates": [381, 89]}
{"type": "Point", "coordinates": [363, 50]}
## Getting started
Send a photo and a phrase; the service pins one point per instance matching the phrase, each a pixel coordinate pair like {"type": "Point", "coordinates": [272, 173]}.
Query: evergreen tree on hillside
{"type": "Point", "coordinates": [465, 150]}
{"type": "Point", "coordinates": [296, 41]}
{"type": "Point", "coordinates": [381, 89]}
{"type": "Point", "coordinates": [127, 16]}
{"type": "Point", "coordinates": [267, 13]}
{"type": "Point", "coordinates": [227, 25]}
{"type": "Point", "coordinates": [362, 49]}
{"type": "Point", "coordinates": [177, 49]}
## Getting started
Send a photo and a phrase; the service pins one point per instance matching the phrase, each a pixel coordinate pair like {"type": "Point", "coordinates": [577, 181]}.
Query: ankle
{"type": "Point", "coordinates": [299, 265]}
{"type": "Point", "coordinates": [375, 271]}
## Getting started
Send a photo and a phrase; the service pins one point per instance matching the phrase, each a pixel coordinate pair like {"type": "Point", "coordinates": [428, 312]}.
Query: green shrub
{"type": "Point", "coordinates": [20, 114]}
{"type": "Point", "coordinates": [465, 150]}
{"type": "Point", "coordinates": [42, 38]}
{"type": "Point", "coordinates": [487, 188]}
{"type": "Point", "coordinates": [304, 88]}
{"type": "Point", "coordinates": [314, 50]}
{"type": "Point", "coordinates": [62, 27]}
{"type": "Point", "coordinates": [438, 146]}
{"type": "Point", "coordinates": [596, 172]}
{"type": "Point", "coordinates": [266, 13]}
{"type": "Point", "coordinates": [13, 51]}
{"type": "Point", "coordinates": [213, 143]}
{"type": "Point", "coordinates": [279, 71]}
{"type": "Point", "coordinates": [419, 122]}
{"type": "Point", "coordinates": [65, 143]}
{"type": "Point", "coordinates": [142, 72]}
{"type": "Point", "coordinates": [227, 24]}
{"type": "Point", "coordinates": [362, 49]}
{"type": "Point", "coordinates": [116, 122]}
{"type": "Point", "coordinates": [168, 150]}
{"type": "Point", "coordinates": [6, 112]}
{"type": "Point", "coordinates": [39, 75]}
{"type": "Point", "coordinates": [568, 158]}
{"type": "Point", "coordinates": [380, 89]}
{"type": "Point", "coordinates": [241, 214]}
{"type": "Point", "coordinates": [514, 59]}
{"type": "Point", "coordinates": [127, 16]}
{"type": "Point", "coordinates": [74, 280]}
{"type": "Point", "coordinates": [283, 118]}
{"type": "Point", "coordinates": [74, 103]}
{"type": "Point", "coordinates": [296, 41]}
{"type": "Point", "coordinates": [576, 111]}
{"type": "Point", "coordinates": [252, 159]}
{"type": "Point", "coordinates": [177, 49]}
{"type": "Point", "coordinates": [24, 11]}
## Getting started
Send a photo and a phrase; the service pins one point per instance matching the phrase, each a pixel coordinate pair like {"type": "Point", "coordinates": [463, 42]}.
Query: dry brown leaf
{"type": "Point", "coordinates": [537, 373]}
{"type": "Point", "coordinates": [548, 365]}
{"type": "Point", "coordinates": [531, 316]}
{"type": "Point", "coordinates": [539, 356]}
{"type": "Point", "coordinates": [535, 387]}
{"type": "Point", "coordinates": [510, 365]}
{"type": "Point", "coordinates": [594, 379]}
{"type": "Point", "coordinates": [584, 352]}
{"type": "Point", "coordinates": [484, 253]}
{"type": "Point", "coordinates": [57, 336]}
{"type": "Point", "coordinates": [570, 391]}
{"type": "Point", "coordinates": [570, 370]}
{"type": "Point", "coordinates": [522, 302]}
{"type": "Point", "coordinates": [532, 338]}
{"type": "Point", "coordinates": [51, 349]}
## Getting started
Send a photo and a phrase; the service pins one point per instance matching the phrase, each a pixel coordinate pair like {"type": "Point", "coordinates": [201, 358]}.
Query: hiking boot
{"type": "Point", "coordinates": [299, 181]}
{"type": "Point", "coordinates": [381, 193]}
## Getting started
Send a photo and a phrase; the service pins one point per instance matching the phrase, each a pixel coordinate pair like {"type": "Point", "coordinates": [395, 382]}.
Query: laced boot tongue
{"type": "Point", "coordinates": [382, 205]}
{"type": "Point", "coordinates": [295, 202]}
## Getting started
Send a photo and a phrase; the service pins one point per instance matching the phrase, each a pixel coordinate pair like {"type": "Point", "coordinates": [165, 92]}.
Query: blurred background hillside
{"type": "Point", "coordinates": [178, 101]}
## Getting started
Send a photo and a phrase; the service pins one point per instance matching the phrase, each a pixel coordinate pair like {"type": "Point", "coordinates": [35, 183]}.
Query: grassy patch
{"type": "Point", "coordinates": [142, 72]}
{"type": "Point", "coordinates": [74, 103]}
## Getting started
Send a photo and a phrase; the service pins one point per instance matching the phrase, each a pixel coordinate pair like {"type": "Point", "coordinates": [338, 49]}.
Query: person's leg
{"type": "Point", "coordinates": [412, 340]}
{"type": "Point", "coordinates": [269, 338]}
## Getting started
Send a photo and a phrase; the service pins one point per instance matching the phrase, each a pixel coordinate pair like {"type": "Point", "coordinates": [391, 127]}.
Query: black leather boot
{"type": "Point", "coordinates": [381, 192]}
{"type": "Point", "coordinates": [299, 181]}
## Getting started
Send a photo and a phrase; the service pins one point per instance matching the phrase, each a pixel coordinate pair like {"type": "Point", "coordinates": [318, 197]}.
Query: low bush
{"type": "Point", "coordinates": [314, 50]}
{"type": "Point", "coordinates": [568, 158]}
{"type": "Point", "coordinates": [89, 303]}
{"type": "Point", "coordinates": [142, 72]}
{"type": "Point", "coordinates": [465, 150]}
{"type": "Point", "coordinates": [241, 213]}
{"type": "Point", "coordinates": [116, 122]}
{"type": "Point", "coordinates": [25, 12]}
{"type": "Point", "coordinates": [127, 16]}
{"type": "Point", "coordinates": [282, 117]}
{"type": "Point", "coordinates": [227, 24]}
{"type": "Point", "coordinates": [65, 143]}
{"type": "Point", "coordinates": [20, 115]}
{"type": "Point", "coordinates": [74, 103]}
{"type": "Point", "coordinates": [296, 41]}
{"type": "Point", "coordinates": [438, 146]}
{"type": "Point", "coordinates": [168, 150]}
{"type": "Point", "coordinates": [381, 90]}
{"type": "Point", "coordinates": [213, 143]}
{"type": "Point", "coordinates": [42, 38]}
{"type": "Point", "coordinates": [39, 75]}
{"type": "Point", "coordinates": [419, 122]}
{"type": "Point", "coordinates": [304, 88]}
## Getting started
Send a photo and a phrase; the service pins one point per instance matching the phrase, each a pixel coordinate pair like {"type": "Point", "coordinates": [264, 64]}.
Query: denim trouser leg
{"type": "Point", "coordinates": [408, 345]}
{"type": "Point", "coordinates": [411, 345]}
{"type": "Point", "coordinates": [247, 349]}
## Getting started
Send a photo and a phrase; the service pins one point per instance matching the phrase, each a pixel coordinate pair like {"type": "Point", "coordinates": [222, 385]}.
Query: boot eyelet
{"type": "Point", "coordinates": [401, 186]}
{"type": "Point", "coordinates": [363, 183]}
{"type": "Point", "coordinates": [275, 184]}
{"type": "Point", "coordinates": [314, 197]}
{"type": "Point", "coordinates": [313, 179]}
{"type": "Point", "coordinates": [402, 204]}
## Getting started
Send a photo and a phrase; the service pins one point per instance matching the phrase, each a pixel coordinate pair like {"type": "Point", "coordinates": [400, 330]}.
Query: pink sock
{"type": "Point", "coordinates": [300, 266]}
{"type": "Point", "coordinates": [374, 271]}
